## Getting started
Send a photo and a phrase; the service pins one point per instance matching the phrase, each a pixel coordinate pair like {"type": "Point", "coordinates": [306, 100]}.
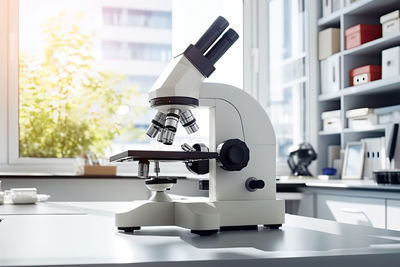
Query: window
{"type": "Point", "coordinates": [112, 16]}
{"type": "Point", "coordinates": [137, 17]}
{"type": "Point", "coordinates": [276, 61]}
{"type": "Point", "coordinates": [78, 81]}
{"type": "Point", "coordinates": [151, 19]}
{"type": "Point", "coordinates": [136, 51]}
{"type": "Point", "coordinates": [288, 82]}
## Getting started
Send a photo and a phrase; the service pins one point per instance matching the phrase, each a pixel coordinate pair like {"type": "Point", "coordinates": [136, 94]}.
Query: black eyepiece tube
{"type": "Point", "coordinates": [212, 34]}
{"type": "Point", "coordinates": [223, 44]}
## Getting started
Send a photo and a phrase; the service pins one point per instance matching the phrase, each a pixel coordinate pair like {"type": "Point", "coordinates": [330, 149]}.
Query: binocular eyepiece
{"type": "Point", "coordinates": [203, 55]}
{"type": "Point", "coordinates": [165, 125]}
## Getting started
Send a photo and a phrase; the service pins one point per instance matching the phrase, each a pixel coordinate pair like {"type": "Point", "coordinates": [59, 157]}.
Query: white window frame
{"type": "Point", "coordinates": [257, 62]}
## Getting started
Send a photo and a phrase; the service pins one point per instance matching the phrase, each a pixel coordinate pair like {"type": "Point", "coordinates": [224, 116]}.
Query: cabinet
{"type": "Point", "coordinates": [393, 214]}
{"type": "Point", "coordinates": [375, 94]}
{"type": "Point", "coordinates": [360, 211]}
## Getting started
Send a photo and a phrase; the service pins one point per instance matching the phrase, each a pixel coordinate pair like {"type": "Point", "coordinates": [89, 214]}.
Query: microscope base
{"type": "Point", "coordinates": [204, 218]}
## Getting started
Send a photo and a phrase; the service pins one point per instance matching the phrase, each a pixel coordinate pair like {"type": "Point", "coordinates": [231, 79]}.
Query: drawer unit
{"type": "Point", "coordinates": [391, 62]}
{"type": "Point", "coordinates": [393, 214]}
{"type": "Point", "coordinates": [359, 211]}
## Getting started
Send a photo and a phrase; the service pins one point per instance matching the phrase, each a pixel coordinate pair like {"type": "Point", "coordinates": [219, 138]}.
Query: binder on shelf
{"type": "Point", "coordinates": [375, 155]}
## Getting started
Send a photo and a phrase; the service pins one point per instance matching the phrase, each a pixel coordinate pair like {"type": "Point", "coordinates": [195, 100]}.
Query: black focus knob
{"type": "Point", "coordinates": [199, 166]}
{"type": "Point", "coordinates": [234, 155]}
{"type": "Point", "coordinates": [252, 184]}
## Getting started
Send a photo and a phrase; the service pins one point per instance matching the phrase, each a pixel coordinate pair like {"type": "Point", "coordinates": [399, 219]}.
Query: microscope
{"type": "Point", "coordinates": [240, 160]}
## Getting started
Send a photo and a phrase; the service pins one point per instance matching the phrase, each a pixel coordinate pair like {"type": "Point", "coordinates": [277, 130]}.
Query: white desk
{"type": "Point", "coordinates": [83, 234]}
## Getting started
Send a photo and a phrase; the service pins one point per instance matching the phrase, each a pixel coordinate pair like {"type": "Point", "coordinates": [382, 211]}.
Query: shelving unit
{"type": "Point", "coordinates": [375, 94]}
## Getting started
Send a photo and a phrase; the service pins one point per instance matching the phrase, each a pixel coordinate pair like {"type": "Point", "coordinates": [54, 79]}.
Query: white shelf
{"type": "Point", "coordinates": [360, 8]}
{"type": "Point", "coordinates": [371, 7]}
{"type": "Point", "coordinates": [375, 128]}
{"type": "Point", "coordinates": [375, 87]}
{"type": "Point", "coordinates": [328, 133]}
{"type": "Point", "coordinates": [331, 19]}
{"type": "Point", "coordinates": [375, 46]}
{"type": "Point", "coordinates": [330, 96]}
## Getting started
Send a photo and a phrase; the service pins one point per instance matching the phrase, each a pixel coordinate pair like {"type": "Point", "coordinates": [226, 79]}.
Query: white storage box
{"type": "Point", "coordinates": [361, 118]}
{"type": "Point", "coordinates": [390, 23]}
{"type": "Point", "coordinates": [329, 6]}
{"type": "Point", "coordinates": [391, 62]}
{"type": "Point", "coordinates": [324, 76]}
{"type": "Point", "coordinates": [330, 74]}
{"type": "Point", "coordinates": [359, 113]}
{"type": "Point", "coordinates": [349, 2]}
{"type": "Point", "coordinates": [388, 115]}
{"type": "Point", "coordinates": [364, 123]}
{"type": "Point", "coordinates": [337, 4]}
{"type": "Point", "coordinates": [328, 42]}
{"type": "Point", "coordinates": [326, 7]}
{"type": "Point", "coordinates": [331, 121]}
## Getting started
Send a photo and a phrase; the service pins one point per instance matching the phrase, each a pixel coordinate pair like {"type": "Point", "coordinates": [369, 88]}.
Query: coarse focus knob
{"type": "Point", "coordinates": [234, 155]}
{"type": "Point", "coordinates": [252, 184]}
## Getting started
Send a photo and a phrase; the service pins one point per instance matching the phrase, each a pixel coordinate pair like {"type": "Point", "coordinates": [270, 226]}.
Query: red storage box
{"type": "Point", "coordinates": [365, 74]}
{"type": "Point", "coordinates": [362, 33]}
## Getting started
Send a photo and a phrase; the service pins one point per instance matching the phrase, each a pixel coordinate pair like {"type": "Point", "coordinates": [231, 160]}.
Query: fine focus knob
{"type": "Point", "coordinates": [234, 155]}
{"type": "Point", "coordinates": [252, 184]}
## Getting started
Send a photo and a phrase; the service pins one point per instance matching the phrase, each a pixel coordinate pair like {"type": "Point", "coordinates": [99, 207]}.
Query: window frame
{"type": "Point", "coordinates": [257, 63]}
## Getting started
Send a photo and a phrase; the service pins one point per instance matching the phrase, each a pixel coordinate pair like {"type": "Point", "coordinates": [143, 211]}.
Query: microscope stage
{"type": "Point", "coordinates": [136, 155]}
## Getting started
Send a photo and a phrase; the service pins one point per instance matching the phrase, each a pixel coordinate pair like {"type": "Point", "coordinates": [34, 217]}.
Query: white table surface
{"type": "Point", "coordinates": [84, 234]}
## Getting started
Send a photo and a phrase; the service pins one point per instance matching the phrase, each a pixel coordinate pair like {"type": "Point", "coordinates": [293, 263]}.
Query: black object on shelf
{"type": "Point", "coordinates": [387, 177]}
{"type": "Point", "coordinates": [392, 141]}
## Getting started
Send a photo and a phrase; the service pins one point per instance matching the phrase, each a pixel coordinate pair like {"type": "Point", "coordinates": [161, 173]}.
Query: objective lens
{"type": "Point", "coordinates": [160, 137]}
{"type": "Point", "coordinates": [189, 122]}
{"type": "Point", "coordinates": [171, 123]}
{"type": "Point", "coordinates": [172, 119]}
{"type": "Point", "coordinates": [143, 168]}
{"type": "Point", "coordinates": [157, 124]}
{"type": "Point", "coordinates": [168, 137]}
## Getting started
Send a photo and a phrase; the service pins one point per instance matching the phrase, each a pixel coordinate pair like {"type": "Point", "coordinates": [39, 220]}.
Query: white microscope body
{"type": "Point", "coordinates": [242, 188]}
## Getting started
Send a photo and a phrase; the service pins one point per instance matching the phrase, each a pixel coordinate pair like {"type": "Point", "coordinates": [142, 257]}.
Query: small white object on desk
{"type": "Point", "coordinates": [390, 23]}
{"type": "Point", "coordinates": [23, 196]}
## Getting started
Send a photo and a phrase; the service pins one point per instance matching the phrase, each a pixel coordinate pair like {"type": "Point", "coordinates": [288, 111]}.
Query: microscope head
{"type": "Point", "coordinates": [176, 91]}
